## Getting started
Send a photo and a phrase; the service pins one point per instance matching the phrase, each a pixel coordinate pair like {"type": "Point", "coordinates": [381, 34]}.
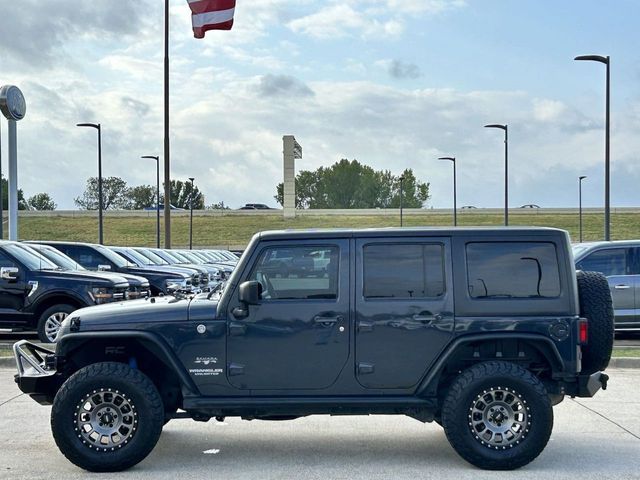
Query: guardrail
{"type": "Point", "coordinates": [324, 212]}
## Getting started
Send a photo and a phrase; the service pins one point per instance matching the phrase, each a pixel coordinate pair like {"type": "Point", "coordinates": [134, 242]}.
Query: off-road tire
{"type": "Point", "coordinates": [483, 378]}
{"type": "Point", "coordinates": [138, 389]}
{"type": "Point", "coordinates": [596, 306]}
{"type": "Point", "coordinates": [62, 308]}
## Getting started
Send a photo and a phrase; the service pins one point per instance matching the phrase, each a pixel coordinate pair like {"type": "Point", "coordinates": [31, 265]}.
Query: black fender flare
{"type": "Point", "coordinates": [153, 342]}
{"type": "Point", "coordinates": [59, 293]}
{"type": "Point", "coordinates": [428, 385]}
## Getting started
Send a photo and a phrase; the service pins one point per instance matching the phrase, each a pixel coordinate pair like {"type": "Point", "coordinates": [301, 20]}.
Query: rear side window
{"type": "Point", "coordinates": [403, 270]}
{"type": "Point", "coordinates": [609, 262]}
{"type": "Point", "coordinates": [512, 270]}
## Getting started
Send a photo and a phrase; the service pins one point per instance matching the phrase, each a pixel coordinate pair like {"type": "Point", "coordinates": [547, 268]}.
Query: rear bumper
{"type": "Point", "coordinates": [37, 376]}
{"type": "Point", "coordinates": [588, 385]}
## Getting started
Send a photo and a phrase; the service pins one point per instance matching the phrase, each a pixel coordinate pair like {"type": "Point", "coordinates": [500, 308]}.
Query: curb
{"type": "Point", "coordinates": [6, 362]}
{"type": "Point", "coordinates": [624, 362]}
{"type": "Point", "coordinates": [615, 362]}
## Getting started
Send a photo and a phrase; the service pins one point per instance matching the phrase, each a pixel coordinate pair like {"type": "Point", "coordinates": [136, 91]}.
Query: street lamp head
{"type": "Point", "coordinates": [92, 125]}
{"type": "Point", "coordinates": [452, 159]}
{"type": "Point", "coordinates": [582, 177]}
{"type": "Point", "coordinates": [496, 125]}
{"type": "Point", "coordinates": [593, 58]}
{"type": "Point", "coordinates": [154, 157]}
{"type": "Point", "coordinates": [191, 179]}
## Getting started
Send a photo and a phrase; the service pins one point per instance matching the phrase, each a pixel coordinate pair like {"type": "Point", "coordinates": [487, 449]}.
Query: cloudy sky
{"type": "Point", "coordinates": [392, 83]}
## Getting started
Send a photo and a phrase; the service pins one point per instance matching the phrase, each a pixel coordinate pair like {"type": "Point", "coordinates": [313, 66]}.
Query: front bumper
{"type": "Point", "coordinates": [37, 375]}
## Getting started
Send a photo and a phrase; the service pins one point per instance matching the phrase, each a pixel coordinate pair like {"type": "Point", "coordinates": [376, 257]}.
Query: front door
{"type": "Point", "coordinates": [12, 293]}
{"type": "Point", "coordinates": [404, 308]}
{"type": "Point", "coordinates": [298, 335]}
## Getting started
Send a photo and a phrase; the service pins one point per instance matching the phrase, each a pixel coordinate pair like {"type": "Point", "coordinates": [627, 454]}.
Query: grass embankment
{"type": "Point", "coordinates": [237, 230]}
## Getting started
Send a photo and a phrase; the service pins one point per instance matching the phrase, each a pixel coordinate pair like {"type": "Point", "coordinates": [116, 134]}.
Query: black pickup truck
{"type": "Point", "coordinates": [36, 294]}
{"type": "Point", "coordinates": [479, 330]}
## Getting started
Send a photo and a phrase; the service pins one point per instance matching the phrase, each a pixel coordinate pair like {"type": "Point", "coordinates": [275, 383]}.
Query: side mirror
{"type": "Point", "coordinates": [104, 268]}
{"type": "Point", "coordinates": [250, 292]}
{"type": "Point", "coordinates": [9, 273]}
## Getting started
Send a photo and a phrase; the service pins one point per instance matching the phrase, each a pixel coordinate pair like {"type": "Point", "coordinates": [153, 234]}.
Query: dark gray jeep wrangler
{"type": "Point", "coordinates": [479, 330]}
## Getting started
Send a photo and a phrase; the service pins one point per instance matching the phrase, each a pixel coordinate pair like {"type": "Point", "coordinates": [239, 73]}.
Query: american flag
{"type": "Point", "coordinates": [211, 15]}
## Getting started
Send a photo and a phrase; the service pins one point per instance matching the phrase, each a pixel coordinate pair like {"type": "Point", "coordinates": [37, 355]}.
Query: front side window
{"type": "Point", "coordinates": [403, 270]}
{"type": "Point", "coordinates": [512, 270]}
{"type": "Point", "coordinates": [298, 273]}
{"type": "Point", "coordinates": [609, 262]}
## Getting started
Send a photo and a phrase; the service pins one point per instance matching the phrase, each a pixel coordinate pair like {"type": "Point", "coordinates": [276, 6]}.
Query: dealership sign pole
{"type": "Point", "coordinates": [14, 107]}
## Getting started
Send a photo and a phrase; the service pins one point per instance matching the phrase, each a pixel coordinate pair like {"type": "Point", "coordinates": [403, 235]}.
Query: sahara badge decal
{"type": "Point", "coordinates": [205, 372]}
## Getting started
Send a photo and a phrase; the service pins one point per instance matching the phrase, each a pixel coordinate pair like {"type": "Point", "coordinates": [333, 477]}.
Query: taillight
{"type": "Point", "coordinates": [583, 331]}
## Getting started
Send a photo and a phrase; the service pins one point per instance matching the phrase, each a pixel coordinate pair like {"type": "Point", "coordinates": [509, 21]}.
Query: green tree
{"type": "Point", "coordinates": [218, 206]}
{"type": "Point", "coordinates": [42, 201]}
{"type": "Point", "coordinates": [350, 184]}
{"type": "Point", "coordinates": [22, 203]}
{"type": "Point", "coordinates": [181, 194]}
{"type": "Point", "coordinates": [141, 197]}
{"type": "Point", "coordinates": [114, 194]}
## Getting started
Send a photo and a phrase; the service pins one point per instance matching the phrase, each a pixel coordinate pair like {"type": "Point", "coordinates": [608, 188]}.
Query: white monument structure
{"type": "Point", "coordinates": [292, 151]}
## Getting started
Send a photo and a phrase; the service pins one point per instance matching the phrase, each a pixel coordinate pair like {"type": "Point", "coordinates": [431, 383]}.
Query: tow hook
{"type": "Point", "coordinates": [604, 378]}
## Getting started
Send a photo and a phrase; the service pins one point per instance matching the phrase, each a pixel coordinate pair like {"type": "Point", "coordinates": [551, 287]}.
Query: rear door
{"type": "Point", "coordinates": [615, 264]}
{"type": "Point", "coordinates": [404, 308]}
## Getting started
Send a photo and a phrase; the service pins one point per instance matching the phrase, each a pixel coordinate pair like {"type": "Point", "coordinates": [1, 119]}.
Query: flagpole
{"type": "Point", "coordinates": [167, 166]}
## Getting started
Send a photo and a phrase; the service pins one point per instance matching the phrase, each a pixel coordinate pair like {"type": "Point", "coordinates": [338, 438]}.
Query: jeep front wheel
{"type": "Point", "coordinates": [107, 417]}
{"type": "Point", "coordinates": [497, 416]}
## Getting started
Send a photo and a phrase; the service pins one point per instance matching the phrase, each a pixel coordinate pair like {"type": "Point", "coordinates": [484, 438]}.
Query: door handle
{"type": "Point", "coordinates": [327, 321]}
{"type": "Point", "coordinates": [426, 317]}
{"type": "Point", "coordinates": [237, 329]}
{"type": "Point", "coordinates": [622, 287]}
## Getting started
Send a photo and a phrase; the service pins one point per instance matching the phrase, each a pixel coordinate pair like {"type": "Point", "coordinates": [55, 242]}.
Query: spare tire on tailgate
{"type": "Point", "coordinates": [597, 307]}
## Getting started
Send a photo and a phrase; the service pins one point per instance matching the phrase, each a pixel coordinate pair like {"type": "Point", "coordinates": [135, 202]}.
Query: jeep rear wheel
{"type": "Point", "coordinates": [50, 321]}
{"type": "Point", "coordinates": [497, 416]}
{"type": "Point", "coordinates": [107, 417]}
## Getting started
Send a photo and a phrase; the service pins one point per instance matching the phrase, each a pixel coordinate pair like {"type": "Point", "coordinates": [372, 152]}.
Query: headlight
{"type": "Point", "coordinates": [178, 285]}
{"type": "Point", "coordinates": [102, 294]}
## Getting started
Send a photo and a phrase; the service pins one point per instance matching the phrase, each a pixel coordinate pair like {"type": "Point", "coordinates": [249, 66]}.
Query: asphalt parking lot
{"type": "Point", "coordinates": [599, 438]}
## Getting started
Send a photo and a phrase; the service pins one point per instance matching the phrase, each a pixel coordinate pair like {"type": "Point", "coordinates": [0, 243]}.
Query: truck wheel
{"type": "Point", "coordinates": [497, 416]}
{"type": "Point", "coordinates": [50, 320]}
{"type": "Point", "coordinates": [597, 307]}
{"type": "Point", "coordinates": [107, 417]}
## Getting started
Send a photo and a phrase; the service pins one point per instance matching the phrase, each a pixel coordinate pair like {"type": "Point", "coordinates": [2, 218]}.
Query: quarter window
{"type": "Point", "coordinates": [512, 270]}
{"type": "Point", "coordinates": [403, 270]}
{"type": "Point", "coordinates": [297, 273]}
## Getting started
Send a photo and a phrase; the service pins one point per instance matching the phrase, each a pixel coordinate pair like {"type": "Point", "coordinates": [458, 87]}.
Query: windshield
{"type": "Point", "coordinates": [30, 258]}
{"type": "Point", "coordinates": [191, 257]}
{"type": "Point", "coordinates": [57, 257]}
{"type": "Point", "coordinates": [155, 259]}
{"type": "Point", "coordinates": [176, 256]}
{"type": "Point", "coordinates": [138, 257]}
{"type": "Point", "coordinates": [113, 256]}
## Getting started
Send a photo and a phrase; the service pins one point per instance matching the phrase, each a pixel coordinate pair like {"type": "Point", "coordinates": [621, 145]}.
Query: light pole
{"type": "Point", "coordinates": [580, 178]}
{"type": "Point", "coordinates": [607, 177]}
{"type": "Point", "coordinates": [401, 195]}
{"type": "Point", "coordinates": [99, 129]}
{"type": "Point", "coordinates": [506, 168]}
{"type": "Point", "coordinates": [455, 207]}
{"type": "Point", "coordinates": [157, 159]}
{"type": "Point", "coordinates": [191, 215]}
